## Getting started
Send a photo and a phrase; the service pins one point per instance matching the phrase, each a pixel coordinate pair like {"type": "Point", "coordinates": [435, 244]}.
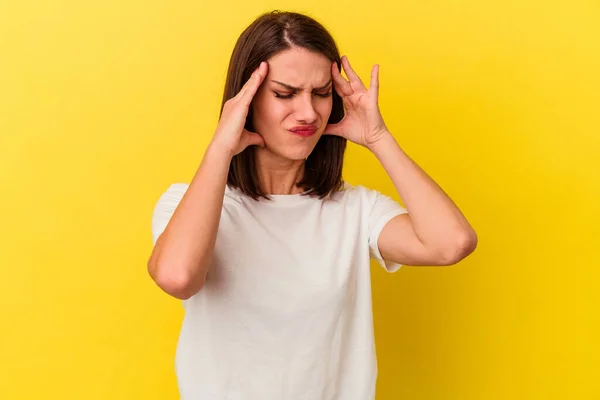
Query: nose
{"type": "Point", "coordinates": [305, 110]}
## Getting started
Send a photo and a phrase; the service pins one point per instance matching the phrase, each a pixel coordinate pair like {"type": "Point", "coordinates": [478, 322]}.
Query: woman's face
{"type": "Point", "coordinates": [293, 104]}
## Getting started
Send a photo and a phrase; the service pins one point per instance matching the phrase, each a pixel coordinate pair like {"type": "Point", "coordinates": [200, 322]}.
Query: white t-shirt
{"type": "Point", "coordinates": [285, 312]}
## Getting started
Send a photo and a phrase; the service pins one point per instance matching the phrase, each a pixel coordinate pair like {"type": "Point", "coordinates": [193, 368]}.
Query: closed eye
{"type": "Point", "coordinates": [289, 96]}
{"type": "Point", "coordinates": [324, 94]}
{"type": "Point", "coordinates": [282, 96]}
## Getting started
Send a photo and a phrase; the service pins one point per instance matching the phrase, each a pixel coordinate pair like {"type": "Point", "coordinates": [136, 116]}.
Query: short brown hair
{"type": "Point", "coordinates": [269, 34]}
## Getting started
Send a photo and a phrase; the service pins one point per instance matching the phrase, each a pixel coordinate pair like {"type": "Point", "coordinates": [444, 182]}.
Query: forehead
{"type": "Point", "coordinates": [300, 67]}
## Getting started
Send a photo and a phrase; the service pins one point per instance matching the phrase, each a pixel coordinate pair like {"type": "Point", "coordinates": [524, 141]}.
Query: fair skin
{"type": "Point", "coordinates": [434, 232]}
{"type": "Point", "coordinates": [277, 108]}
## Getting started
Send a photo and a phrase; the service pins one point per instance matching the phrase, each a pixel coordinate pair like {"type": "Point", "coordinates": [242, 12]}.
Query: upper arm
{"type": "Point", "coordinates": [165, 207]}
{"type": "Point", "coordinates": [394, 242]}
{"type": "Point", "coordinates": [161, 216]}
{"type": "Point", "coordinates": [398, 243]}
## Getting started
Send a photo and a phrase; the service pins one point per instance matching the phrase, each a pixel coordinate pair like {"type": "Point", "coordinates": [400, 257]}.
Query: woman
{"type": "Point", "coordinates": [269, 249]}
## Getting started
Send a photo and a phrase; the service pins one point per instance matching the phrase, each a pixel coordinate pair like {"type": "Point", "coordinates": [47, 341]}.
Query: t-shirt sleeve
{"type": "Point", "coordinates": [165, 207]}
{"type": "Point", "coordinates": [383, 209]}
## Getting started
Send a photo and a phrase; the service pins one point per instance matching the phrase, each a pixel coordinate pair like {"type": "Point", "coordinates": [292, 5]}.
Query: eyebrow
{"type": "Point", "coordinates": [285, 85]}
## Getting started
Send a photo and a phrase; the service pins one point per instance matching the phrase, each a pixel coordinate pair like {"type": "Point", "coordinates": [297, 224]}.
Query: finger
{"type": "Point", "coordinates": [352, 75]}
{"type": "Point", "coordinates": [250, 88]}
{"type": "Point", "coordinates": [334, 129]}
{"type": "Point", "coordinates": [253, 139]}
{"type": "Point", "coordinates": [374, 85]}
{"type": "Point", "coordinates": [341, 85]}
{"type": "Point", "coordinates": [249, 83]}
{"type": "Point", "coordinates": [244, 88]}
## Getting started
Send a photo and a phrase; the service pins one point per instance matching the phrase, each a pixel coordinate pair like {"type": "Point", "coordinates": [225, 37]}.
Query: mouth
{"type": "Point", "coordinates": [304, 130]}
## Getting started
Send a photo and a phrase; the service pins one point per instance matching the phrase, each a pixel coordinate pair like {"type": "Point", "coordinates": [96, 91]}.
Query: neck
{"type": "Point", "coordinates": [278, 175]}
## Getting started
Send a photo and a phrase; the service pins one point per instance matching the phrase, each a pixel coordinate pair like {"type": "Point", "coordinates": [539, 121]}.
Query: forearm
{"type": "Point", "coordinates": [184, 250]}
{"type": "Point", "coordinates": [437, 221]}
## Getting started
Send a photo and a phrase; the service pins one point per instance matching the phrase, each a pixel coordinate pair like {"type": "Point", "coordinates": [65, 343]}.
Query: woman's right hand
{"type": "Point", "coordinates": [230, 134]}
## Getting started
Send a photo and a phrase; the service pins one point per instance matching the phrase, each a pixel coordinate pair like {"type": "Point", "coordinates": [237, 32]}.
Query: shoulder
{"type": "Point", "coordinates": [173, 193]}
{"type": "Point", "coordinates": [165, 207]}
{"type": "Point", "coordinates": [177, 188]}
{"type": "Point", "coordinates": [356, 193]}
{"type": "Point", "coordinates": [371, 201]}
{"type": "Point", "coordinates": [168, 200]}
{"type": "Point", "coordinates": [170, 197]}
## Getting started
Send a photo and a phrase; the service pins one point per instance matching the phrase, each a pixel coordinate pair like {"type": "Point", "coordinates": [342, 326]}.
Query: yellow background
{"type": "Point", "coordinates": [104, 104]}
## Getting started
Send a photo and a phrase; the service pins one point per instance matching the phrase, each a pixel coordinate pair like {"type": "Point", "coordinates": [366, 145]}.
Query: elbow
{"type": "Point", "coordinates": [179, 286]}
{"type": "Point", "coordinates": [175, 281]}
{"type": "Point", "coordinates": [465, 243]}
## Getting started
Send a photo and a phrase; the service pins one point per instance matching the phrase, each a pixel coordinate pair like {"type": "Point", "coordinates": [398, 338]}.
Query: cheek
{"type": "Point", "coordinates": [323, 108]}
{"type": "Point", "coordinates": [271, 113]}
{"type": "Point", "coordinates": [268, 113]}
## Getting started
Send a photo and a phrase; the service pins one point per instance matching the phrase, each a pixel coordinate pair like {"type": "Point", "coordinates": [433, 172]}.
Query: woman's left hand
{"type": "Point", "coordinates": [362, 123]}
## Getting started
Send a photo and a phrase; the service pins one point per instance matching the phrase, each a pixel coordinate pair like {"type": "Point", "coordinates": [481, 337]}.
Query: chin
{"type": "Point", "coordinates": [295, 153]}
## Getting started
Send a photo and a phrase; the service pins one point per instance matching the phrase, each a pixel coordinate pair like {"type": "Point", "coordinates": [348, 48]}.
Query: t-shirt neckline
{"type": "Point", "coordinates": [277, 198]}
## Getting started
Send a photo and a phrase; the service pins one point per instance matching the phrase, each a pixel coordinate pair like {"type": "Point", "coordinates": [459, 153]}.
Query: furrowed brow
{"type": "Point", "coordinates": [290, 87]}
